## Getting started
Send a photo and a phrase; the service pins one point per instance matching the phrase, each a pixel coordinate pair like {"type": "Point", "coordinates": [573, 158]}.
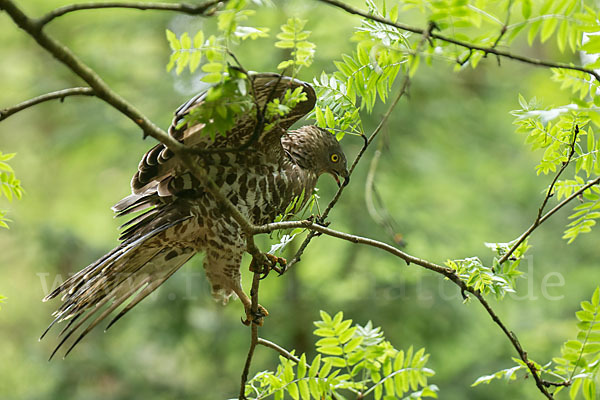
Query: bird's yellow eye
{"type": "Point", "coordinates": [335, 158]}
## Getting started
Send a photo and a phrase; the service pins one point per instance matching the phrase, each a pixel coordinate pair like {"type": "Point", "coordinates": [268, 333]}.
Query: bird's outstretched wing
{"type": "Point", "coordinates": [160, 172]}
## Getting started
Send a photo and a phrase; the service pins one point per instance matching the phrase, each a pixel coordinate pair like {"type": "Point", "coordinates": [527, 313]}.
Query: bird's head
{"type": "Point", "coordinates": [318, 150]}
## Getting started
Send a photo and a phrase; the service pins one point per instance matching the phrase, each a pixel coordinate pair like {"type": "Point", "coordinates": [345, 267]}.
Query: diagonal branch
{"type": "Point", "coordinates": [59, 94]}
{"type": "Point", "coordinates": [539, 219]}
{"type": "Point", "coordinates": [447, 272]}
{"type": "Point", "coordinates": [253, 335]}
{"type": "Point", "coordinates": [206, 8]}
{"type": "Point", "coordinates": [279, 349]}
{"type": "Point", "coordinates": [470, 46]}
{"type": "Point", "coordinates": [104, 92]}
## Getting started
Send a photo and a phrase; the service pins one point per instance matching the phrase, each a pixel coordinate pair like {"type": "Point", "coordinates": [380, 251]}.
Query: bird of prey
{"type": "Point", "coordinates": [178, 217]}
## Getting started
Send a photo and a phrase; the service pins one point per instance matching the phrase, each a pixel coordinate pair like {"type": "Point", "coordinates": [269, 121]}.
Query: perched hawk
{"type": "Point", "coordinates": [180, 218]}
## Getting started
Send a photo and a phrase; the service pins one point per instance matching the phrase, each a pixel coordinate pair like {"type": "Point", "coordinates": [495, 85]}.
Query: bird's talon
{"type": "Point", "coordinates": [272, 263]}
{"type": "Point", "coordinates": [264, 273]}
{"type": "Point", "coordinates": [256, 318]}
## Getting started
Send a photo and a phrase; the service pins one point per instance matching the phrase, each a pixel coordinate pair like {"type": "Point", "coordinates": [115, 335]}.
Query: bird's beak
{"type": "Point", "coordinates": [337, 177]}
{"type": "Point", "coordinates": [337, 180]}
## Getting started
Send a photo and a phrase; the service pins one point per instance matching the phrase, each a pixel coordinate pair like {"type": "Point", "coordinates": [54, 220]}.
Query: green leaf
{"type": "Point", "coordinates": [304, 390]}
{"type": "Point", "coordinates": [548, 28]}
{"type": "Point", "coordinates": [325, 317]}
{"type": "Point", "coordinates": [333, 351]}
{"type": "Point", "coordinates": [596, 297]}
{"type": "Point", "coordinates": [173, 41]}
{"type": "Point", "coordinates": [324, 372]}
{"type": "Point", "coordinates": [186, 41]}
{"type": "Point", "coordinates": [352, 344]}
{"type": "Point", "coordinates": [526, 8]}
{"type": "Point", "coordinates": [328, 341]}
{"type": "Point", "coordinates": [292, 389]}
{"type": "Point", "coordinates": [314, 389]}
{"type": "Point", "coordinates": [314, 367]}
{"type": "Point", "coordinates": [302, 367]}
{"type": "Point", "coordinates": [329, 119]}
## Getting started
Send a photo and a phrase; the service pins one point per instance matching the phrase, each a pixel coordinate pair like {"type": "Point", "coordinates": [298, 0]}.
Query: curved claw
{"type": "Point", "coordinates": [272, 262]}
{"type": "Point", "coordinates": [255, 318]}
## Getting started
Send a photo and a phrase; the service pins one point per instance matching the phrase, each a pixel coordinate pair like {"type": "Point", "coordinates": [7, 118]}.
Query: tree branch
{"type": "Point", "coordinates": [59, 94]}
{"type": "Point", "coordinates": [470, 46]}
{"type": "Point", "coordinates": [537, 223]}
{"type": "Point", "coordinates": [279, 349]}
{"type": "Point", "coordinates": [245, 373]}
{"type": "Point", "coordinates": [206, 8]}
{"type": "Point", "coordinates": [539, 218]}
{"type": "Point", "coordinates": [447, 272]}
{"type": "Point", "coordinates": [104, 92]}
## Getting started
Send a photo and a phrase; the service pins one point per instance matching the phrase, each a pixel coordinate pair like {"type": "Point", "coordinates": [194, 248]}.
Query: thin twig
{"type": "Point", "coordinates": [551, 212]}
{"type": "Point", "coordinates": [253, 328]}
{"type": "Point", "coordinates": [59, 94]}
{"type": "Point", "coordinates": [557, 384]}
{"type": "Point", "coordinates": [539, 219]}
{"type": "Point", "coordinates": [486, 50]}
{"type": "Point", "coordinates": [515, 342]}
{"type": "Point", "coordinates": [505, 26]}
{"type": "Point", "coordinates": [245, 373]}
{"type": "Point", "coordinates": [192, 9]}
{"type": "Point", "coordinates": [279, 349]}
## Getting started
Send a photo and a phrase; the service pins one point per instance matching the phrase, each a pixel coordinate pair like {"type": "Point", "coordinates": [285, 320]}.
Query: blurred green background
{"type": "Point", "coordinates": [453, 174]}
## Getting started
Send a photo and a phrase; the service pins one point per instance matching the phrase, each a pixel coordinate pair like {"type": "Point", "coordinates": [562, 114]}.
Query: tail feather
{"type": "Point", "coordinates": [150, 288]}
{"type": "Point", "coordinates": [116, 303]}
{"type": "Point", "coordinates": [145, 259]}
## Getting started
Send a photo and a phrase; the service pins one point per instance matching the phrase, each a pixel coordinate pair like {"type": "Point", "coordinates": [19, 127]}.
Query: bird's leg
{"type": "Point", "coordinates": [270, 263]}
{"type": "Point", "coordinates": [251, 317]}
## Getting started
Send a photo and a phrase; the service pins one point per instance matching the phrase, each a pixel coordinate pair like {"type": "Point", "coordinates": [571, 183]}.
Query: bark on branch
{"type": "Point", "coordinates": [64, 55]}
{"type": "Point", "coordinates": [470, 46]}
{"type": "Point", "coordinates": [59, 94]}
{"type": "Point", "coordinates": [206, 8]}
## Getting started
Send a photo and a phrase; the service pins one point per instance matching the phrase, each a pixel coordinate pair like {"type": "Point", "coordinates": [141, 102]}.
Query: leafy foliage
{"type": "Point", "coordinates": [223, 104]}
{"type": "Point", "coordinates": [2, 300]}
{"type": "Point", "coordinates": [280, 107]}
{"type": "Point", "coordinates": [580, 359]}
{"type": "Point", "coordinates": [294, 37]}
{"type": "Point", "coordinates": [10, 186]}
{"type": "Point", "coordinates": [499, 279]}
{"type": "Point", "coordinates": [188, 53]}
{"type": "Point", "coordinates": [508, 374]}
{"type": "Point", "coordinates": [476, 275]}
{"type": "Point", "coordinates": [351, 359]}
{"type": "Point", "coordinates": [566, 21]}
{"type": "Point", "coordinates": [560, 132]}
{"type": "Point", "coordinates": [361, 77]}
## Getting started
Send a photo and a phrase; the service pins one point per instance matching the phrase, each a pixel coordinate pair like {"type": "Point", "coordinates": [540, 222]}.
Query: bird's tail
{"type": "Point", "coordinates": [124, 276]}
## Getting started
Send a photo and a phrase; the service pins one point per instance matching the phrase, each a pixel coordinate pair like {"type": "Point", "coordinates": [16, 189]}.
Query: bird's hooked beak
{"type": "Point", "coordinates": [344, 175]}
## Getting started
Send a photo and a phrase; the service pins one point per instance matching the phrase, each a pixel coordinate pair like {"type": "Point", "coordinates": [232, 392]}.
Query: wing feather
{"type": "Point", "coordinates": [159, 166]}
